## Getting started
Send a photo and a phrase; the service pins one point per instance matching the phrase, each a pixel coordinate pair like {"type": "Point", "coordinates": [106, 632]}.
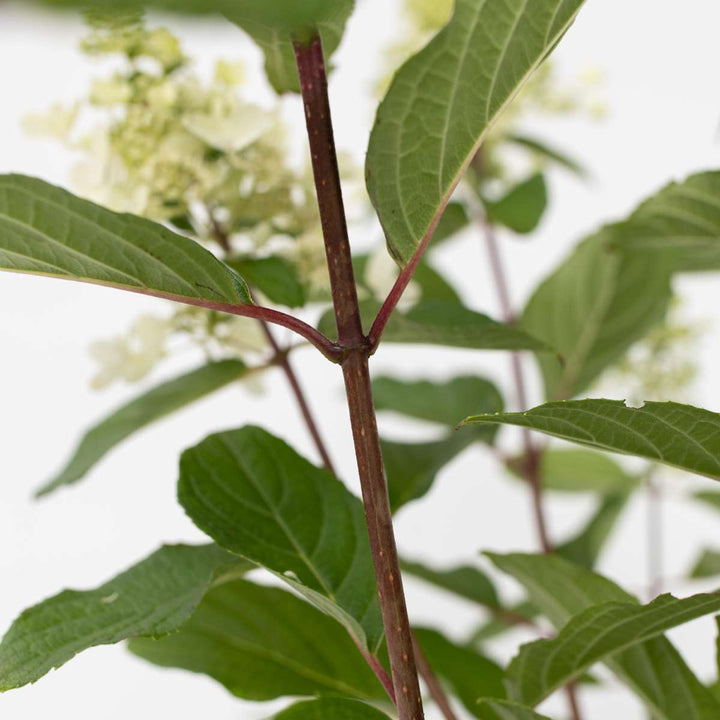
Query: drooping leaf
{"type": "Point", "coordinates": [544, 151]}
{"type": "Point", "coordinates": [331, 708]}
{"type": "Point", "coordinates": [710, 498]}
{"type": "Point", "coordinates": [653, 669]}
{"type": "Point", "coordinates": [469, 674]}
{"type": "Point", "coordinates": [453, 220]}
{"type": "Point", "coordinates": [273, 24]}
{"type": "Point", "coordinates": [607, 301]}
{"type": "Point", "coordinates": [682, 220]}
{"type": "Point", "coordinates": [434, 322]}
{"type": "Point", "coordinates": [141, 412]}
{"type": "Point", "coordinates": [152, 598]}
{"type": "Point", "coordinates": [465, 581]}
{"type": "Point", "coordinates": [585, 547]}
{"type": "Point", "coordinates": [411, 468]}
{"type": "Point", "coordinates": [522, 208]}
{"type": "Point", "coordinates": [521, 613]}
{"type": "Point", "coordinates": [45, 230]}
{"type": "Point", "coordinates": [594, 634]}
{"type": "Point", "coordinates": [439, 402]}
{"type": "Point", "coordinates": [262, 643]}
{"type": "Point", "coordinates": [255, 496]}
{"type": "Point", "coordinates": [679, 435]}
{"type": "Point", "coordinates": [442, 102]}
{"type": "Point", "coordinates": [275, 277]}
{"type": "Point", "coordinates": [706, 565]}
{"type": "Point", "coordinates": [506, 710]}
{"type": "Point", "coordinates": [575, 470]}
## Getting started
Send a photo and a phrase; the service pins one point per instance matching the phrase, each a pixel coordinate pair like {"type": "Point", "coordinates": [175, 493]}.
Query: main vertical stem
{"type": "Point", "coordinates": [313, 84]}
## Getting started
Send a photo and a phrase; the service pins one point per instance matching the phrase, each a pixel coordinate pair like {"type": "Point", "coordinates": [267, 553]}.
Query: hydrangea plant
{"type": "Point", "coordinates": [186, 192]}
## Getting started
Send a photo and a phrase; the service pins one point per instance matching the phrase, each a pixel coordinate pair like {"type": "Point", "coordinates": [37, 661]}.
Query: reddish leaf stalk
{"type": "Point", "coordinates": [354, 359]}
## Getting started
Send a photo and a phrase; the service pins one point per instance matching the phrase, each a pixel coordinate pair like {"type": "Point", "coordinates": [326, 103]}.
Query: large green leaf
{"type": "Point", "coordinates": [443, 402]}
{"type": "Point", "coordinates": [506, 710]}
{"type": "Point", "coordinates": [262, 643]}
{"type": "Point", "coordinates": [334, 708]}
{"type": "Point", "coordinates": [541, 667]}
{"type": "Point", "coordinates": [653, 669]}
{"type": "Point", "coordinates": [442, 102]}
{"type": "Point", "coordinates": [436, 322]}
{"type": "Point", "coordinates": [275, 277]}
{"type": "Point", "coordinates": [152, 598]}
{"type": "Point", "coordinates": [592, 309]}
{"type": "Point", "coordinates": [44, 230]}
{"type": "Point", "coordinates": [521, 613]}
{"type": "Point", "coordinates": [142, 411]}
{"type": "Point", "coordinates": [465, 581]}
{"type": "Point", "coordinates": [411, 468]}
{"type": "Point", "coordinates": [255, 496]}
{"type": "Point", "coordinates": [680, 435]}
{"type": "Point", "coordinates": [469, 674]}
{"type": "Point", "coordinates": [522, 208]}
{"type": "Point", "coordinates": [683, 220]}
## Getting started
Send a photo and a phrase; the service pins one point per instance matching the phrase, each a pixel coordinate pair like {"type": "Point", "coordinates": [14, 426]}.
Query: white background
{"type": "Point", "coordinates": [661, 60]}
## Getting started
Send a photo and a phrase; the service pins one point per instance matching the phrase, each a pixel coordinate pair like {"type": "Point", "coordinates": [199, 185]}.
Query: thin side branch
{"type": "Point", "coordinates": [284, 363]}
{"type": "Point", "coordinates": [437, 692]}
{"type": "Point", "coordinates": [354, 361]}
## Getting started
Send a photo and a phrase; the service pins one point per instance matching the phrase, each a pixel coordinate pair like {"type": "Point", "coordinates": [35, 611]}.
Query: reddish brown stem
{"type": "Point", "coordinates": [433, 684]}
{"type": "Point", "coordinates": [354, 359]}
{"type": "Point", "coordinates": [532, 453]}
{"type": "Point", "coordinates": [284, 363]}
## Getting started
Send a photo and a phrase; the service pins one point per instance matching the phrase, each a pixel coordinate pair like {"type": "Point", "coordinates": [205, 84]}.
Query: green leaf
{"type": "Point", "coordinates": [683, 436]}
{"type": "Point", "coordinates": [574, 470]}
{"type": "Point", "coordinates": [467, 672]}
{"type": "Point", "coordinates": [411, 467]}
{"type": "Point", "coordinates": [522, 208]}
{"type": "Point", "coordinates": [434, 322]}
{"type": "Point", "coordinates": [541, 667]}
{"type": "Point", "coordinates": [331, 708]}
{"type": "Point", "coordinates": [152, 598]}
{"type": "Point", "coordinates": [45, 230]}
{"type": "Point", "coordinates": [453, 220]}
{"type": "Point", "coordinates": [465, 581]}
{"type": "Point", "coordinates": [275, 277]}
{"type": "Point", "coordinates": [255, 496]}
{"type": "Point", "coordinates": [585, 547]}
{"type": "Point", "coordinates": [505, 710]}
{"type": "Point", "coordinates": [159, 402]}
{"type": "Point", "coordinates": [682, 220]}
{"type": "Point", "coordinates": [545, 151]}
{"type": "Point", "coordinates": [607, 301]}
{"type": "Point", "coordinates": [653, 669]}
{"type": "Point", "coordinates": [439, 402]}
{"type": "Point", "coordinates": [710, 498]}
{"type": "Point", "coordinates": [262, 643]}
{"type": "Point", "coordinates": [442, 102]}
{"type": "Point", "coordinates": [707, 564]}
{"type": "Point", "coordinates": [272, 25]}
